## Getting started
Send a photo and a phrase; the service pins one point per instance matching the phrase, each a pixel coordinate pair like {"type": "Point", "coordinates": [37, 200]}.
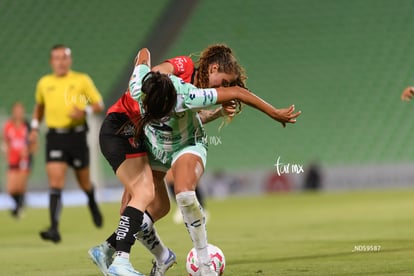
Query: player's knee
{"type": "Point", "coordinates": [185, 185]}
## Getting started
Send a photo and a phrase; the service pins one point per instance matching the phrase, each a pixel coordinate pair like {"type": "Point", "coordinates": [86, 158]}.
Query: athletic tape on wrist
{"type": "Point", "coordinates": [89, 110]}
{"type": "Point", "coordinates": [34, 124]}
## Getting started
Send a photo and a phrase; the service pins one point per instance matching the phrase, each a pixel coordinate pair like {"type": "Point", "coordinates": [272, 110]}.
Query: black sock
{"type": "Point", "coordinates": [16, 200]}
{"type": "Point", "coordinates": [20, 201]}
{"type": "Point", "coordinates": [55, 207]}
{"type": "Point", "coordinates": [91, 196]}
{"type": "Point", "coordinates": [111, 240]}
{"type": "Point", "coordinates": [129, 225]}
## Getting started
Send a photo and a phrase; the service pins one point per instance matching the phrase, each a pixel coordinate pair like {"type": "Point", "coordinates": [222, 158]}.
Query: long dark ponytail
{"type": "Point", "coordinates": [158, 100]}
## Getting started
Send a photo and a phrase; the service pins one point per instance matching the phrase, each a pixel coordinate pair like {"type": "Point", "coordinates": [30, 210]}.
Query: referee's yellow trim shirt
{"type": "Point", "coordinates": [60, 94]}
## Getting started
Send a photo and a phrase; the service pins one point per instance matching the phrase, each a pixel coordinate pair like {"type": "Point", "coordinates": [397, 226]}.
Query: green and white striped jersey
{"type": "Point", "coordinates": [183, 127]}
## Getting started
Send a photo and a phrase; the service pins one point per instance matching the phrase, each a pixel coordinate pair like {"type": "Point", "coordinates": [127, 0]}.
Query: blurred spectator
{"type": "Point", "coordinates": [276, 182]}
{"type": "Point", "coordinates": [222, 185]}
{"type": "Point", "coordinates": [313, 178]}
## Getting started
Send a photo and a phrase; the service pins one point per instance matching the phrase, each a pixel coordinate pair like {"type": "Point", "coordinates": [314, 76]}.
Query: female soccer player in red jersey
{"type": "Point", "coordinates": [18, 150]}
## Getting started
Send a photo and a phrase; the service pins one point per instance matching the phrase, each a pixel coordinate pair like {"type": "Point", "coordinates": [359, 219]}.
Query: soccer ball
{"type": "Point", "coordinates": [217, 259]}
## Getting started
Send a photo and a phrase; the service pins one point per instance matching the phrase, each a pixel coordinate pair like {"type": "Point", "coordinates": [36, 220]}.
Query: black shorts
{"type": "Point", "coordinates": [116, 139]}
{"type": "Point", "coordinates": [69, 146]}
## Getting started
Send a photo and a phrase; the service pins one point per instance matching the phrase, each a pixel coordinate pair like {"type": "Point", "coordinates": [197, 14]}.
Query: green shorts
{"type": "Point", "coordinates": [199, 149]}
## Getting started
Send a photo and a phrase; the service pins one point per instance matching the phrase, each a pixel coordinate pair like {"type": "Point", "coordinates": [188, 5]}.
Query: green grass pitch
{"type": "Point", "coordinates": [289, 234]}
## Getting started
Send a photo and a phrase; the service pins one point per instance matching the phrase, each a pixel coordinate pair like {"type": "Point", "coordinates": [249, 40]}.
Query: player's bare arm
{"type": "Point", "coordinates": [284, 115]}
{"type": "Point", "coordinates": [207, 115]}
{"type": "Point", "coordinates": [227, 109]}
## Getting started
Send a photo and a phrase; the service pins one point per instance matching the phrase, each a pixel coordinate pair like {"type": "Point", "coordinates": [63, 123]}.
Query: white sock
{"type": "Point", "coordinates": [149, 238]}
{"type": "Point", "coordinates": [195, 222]}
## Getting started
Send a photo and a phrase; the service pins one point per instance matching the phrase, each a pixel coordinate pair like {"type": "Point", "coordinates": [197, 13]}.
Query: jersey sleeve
{"type": "Point", "coordinates": [135, 82]}
{"type": "Point", "coordinates": [191, 97]}
{"type": "Point", "coordinates": [91, 91]}
{"type": "Point", "coordinates": [183, 67]}
{"type": "Point", "coordinates": [200, 98]}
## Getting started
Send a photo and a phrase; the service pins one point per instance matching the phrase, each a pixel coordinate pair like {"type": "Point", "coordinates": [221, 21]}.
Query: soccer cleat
{"type": "Point", "coordinates": [102, 256]}
{"type": "Point", "coordinates": [122, 267]}
{"type": "Point", "coordinates": [160, 269]}
{"type": "Point", "coordinates": [207, 270]}
{"type": "Point", "coordinates": [96, 214]}
{"type": "Point", "coordinates": [50, 235]}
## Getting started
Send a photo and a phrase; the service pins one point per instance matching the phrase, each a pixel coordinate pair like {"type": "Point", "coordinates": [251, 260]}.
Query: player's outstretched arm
{"type": "Point", "coordinates": [407, 94]}
{"type": "Point", "coordinates": [135, 83]}
{"type": "Point", "coordinates": [284, 115]}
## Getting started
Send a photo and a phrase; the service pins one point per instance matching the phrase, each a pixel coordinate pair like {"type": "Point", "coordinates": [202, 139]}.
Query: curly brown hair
{"type": "Point", "coordinates": [222, 55]}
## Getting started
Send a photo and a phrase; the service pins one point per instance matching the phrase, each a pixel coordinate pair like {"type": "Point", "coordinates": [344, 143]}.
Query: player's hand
{"type": "Point", "coordinates": [77, 113]}
{"type": "Point", "coordinates": [143, 57]}
{"type": "Point", "coordinates": [229, 108]}
{"type": "Point", "coordinates": [407, 94]}
{"type": "Point", "coordinates": [286, 115]}
{"type": "Point", "coordinates": [33, 135]}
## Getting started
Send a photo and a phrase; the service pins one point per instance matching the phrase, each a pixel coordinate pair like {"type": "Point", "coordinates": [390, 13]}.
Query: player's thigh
{"type": "Point", "coordinates": [136, 176]}
{"type": "Point", "coordinates": [187, 170]}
